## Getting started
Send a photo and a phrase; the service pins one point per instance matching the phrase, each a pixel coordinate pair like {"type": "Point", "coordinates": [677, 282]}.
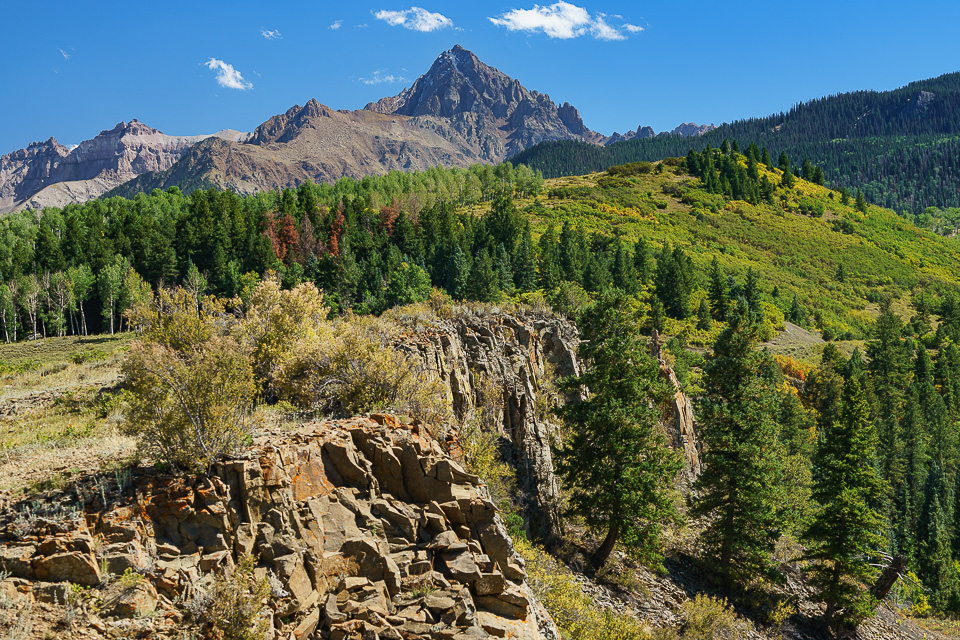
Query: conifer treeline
{"type": "Point", "coordinates": [901, 148]}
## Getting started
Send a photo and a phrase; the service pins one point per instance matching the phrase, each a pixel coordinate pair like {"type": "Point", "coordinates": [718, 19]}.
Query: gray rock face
{"type": "Point", "coordinates": [521, 353]}
{"type": "Point", "coordinates": [688, 129]}
{"type": "Point", "coordinates": [26, 171]}
{"type": "Point", "coordinates": [461, 87]}
{"type": "Point", "coordinates": [50, 174]}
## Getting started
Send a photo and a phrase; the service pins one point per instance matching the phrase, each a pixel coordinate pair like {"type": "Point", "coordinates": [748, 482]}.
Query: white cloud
{"type": "Point", "coordinates": [415, 19]}
{"type": "Point", "coordinates": [336, 24]}
{"type": "Point", "coordinates": [564, 21]}
{"type": "Point", "coordinates": [603, 31]}
{"type": "Point", "coordinates": [66, 56]}
{"type": "Point", "coordinates": [380, 76]}
{"type": "Point", "coordinates": [271, 34]}
{"type": "Point", "coordinates": [227, 76]}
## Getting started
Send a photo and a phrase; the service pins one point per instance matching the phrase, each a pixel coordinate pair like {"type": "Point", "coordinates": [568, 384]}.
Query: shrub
{"type": "Point", "coordinates": [573, 611]}
{"type": "Point", "coordinates": [236, 604]}
{"type": "Point", "coordinates": [190, 383]}
{"type": "Point", "coordinates": [276, 322]}
{"type": "Point", "coordinates": [479, 438]}
{"type": "Point", "coordinates": [351, 368]}
{"type": "Point", "coordinates": [631, 169]}
{"type": "Point", "coordinates": [87, 355]}
{"type": "Point", "coordinates": [706, 618]}
{"type": "Point", "coordinates": [189, 408]}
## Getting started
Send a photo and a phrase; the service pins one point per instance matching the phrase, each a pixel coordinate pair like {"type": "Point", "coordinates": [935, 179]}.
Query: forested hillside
{"type": "Point", "coordinates": [823, 258]}
{"type": "Point", "coordinates": [899, 147]}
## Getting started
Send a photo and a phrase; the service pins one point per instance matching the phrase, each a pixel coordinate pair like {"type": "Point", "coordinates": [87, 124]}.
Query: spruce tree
{"type": "Point", "coordinates": [934, 561]}
{"type": "Point", "coordinates": [718, 291]}
{"type": "Point", "coordinates": [861, 204]}
{"type": "Point", "coordinates": [525, 264]}
{"type": "Point", "coordinates": [484, 283]}
{"type": "Point", "coordinates": [623, 273]}
{"type": "Point", "coordinates": [549, 260]}
{"type": "Point", "coordinates": [458, 285]}
{"type": "Point", "coordinates": [845, 533]}
{"type": "Point", "coordinates": [765, 158]}
{"type": "Point", "coordinates": [617, 462]}
{"type": "Point", "coordinates": [641, 261]}
{"type": "Point", "coordinates": [890, 372]}
{"type": "Point", "coordinates": [741, 472]}
{"type": "Point", "coordinates": [704, 317]}
{"type": "Point", "coordinates": [572, 253]}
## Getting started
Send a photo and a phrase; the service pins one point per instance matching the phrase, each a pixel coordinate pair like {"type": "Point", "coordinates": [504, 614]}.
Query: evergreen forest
{"type": "Point", "coordinates": [900, 148]}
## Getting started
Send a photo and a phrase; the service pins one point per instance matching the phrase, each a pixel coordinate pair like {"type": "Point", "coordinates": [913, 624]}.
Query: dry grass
{"type": "Point", "coordinates": [58, 413]}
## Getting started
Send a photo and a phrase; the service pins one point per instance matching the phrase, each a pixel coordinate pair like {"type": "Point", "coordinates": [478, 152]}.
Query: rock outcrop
{"type": "Point", "coordinates": [688, 129]}
{"type": "Point", "coordinates": [524, 353]}
{"type": "Point", "coordinates": [678, 420]}
{"type": "Point", "coordinates": [364, 528]}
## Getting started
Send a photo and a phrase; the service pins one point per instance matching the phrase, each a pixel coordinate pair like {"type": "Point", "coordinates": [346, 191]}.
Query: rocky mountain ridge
{"type": "Point", "coordinates": [686, 130]}
{"type": "Point", "coordinates": [51, 174]}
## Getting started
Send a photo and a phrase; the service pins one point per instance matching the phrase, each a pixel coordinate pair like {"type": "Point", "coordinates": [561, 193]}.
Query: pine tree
{"type": "Point", "coordinates": [788, 180]}
{"type": "Point", "coordinates": [718, 291]}
{"type": "Point", "coordinates": [845, 532]}
{"type": "Point", "coordinates": [935, 563]}
{"type": "Point", "coordinates": [765, 158]}
{"type": "Point", "coordinates": [861, 204]}
{"type": "Point", "coordinates": [673, 281]}
{"type": "Point", "coordinates": [890, 373]}
{"type": "Point", "coordinates": [525, 264]}
{"type": "Point", "coordinates": [459, 283]}
{"type": "Point", "coordinates": [504, 271]}
{"type": "Point", "coordinates": [549, 260]}
{"type": "Point", "coordinates": [657, 315]}
{"type": "Point", "coordinates": [623, 274]}
{"type": "Point", "coordinates": [741, 472]}
{"type": "Point", "coordinates": [572, 253]}
{"type": "Point", "coordinates": [484, 284]}
{"type": "Point", "coordinates": [704, 317]}
{"type": "Point", "coordinates": [783, 162]}
{"type": "Point", "coordinates": [908, 495]}
{"type": "Point", "coordinates": [751, 291]}
{"type": "Point", "coordinates": [617, 461]}
{"type": "Point", "coordinates": [641, 260]}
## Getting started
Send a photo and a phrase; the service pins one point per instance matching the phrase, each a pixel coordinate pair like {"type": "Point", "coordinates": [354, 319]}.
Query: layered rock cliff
{"type": "Point", "coordinates": [523, 353]}
{"type": "Point", "coordinates": [363, 528]}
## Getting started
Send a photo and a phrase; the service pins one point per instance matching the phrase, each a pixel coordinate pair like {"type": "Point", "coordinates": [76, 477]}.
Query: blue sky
{"type": "Point", "coordinates": [71, 69]}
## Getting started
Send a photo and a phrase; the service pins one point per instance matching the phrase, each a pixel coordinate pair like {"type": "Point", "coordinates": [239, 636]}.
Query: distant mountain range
{"type": "Point", "coordinates": [460, 112]}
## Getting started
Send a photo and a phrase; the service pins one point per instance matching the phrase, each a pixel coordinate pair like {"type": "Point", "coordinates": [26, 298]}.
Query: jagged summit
{"type": "Point", "coordinates": [459, 83]}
